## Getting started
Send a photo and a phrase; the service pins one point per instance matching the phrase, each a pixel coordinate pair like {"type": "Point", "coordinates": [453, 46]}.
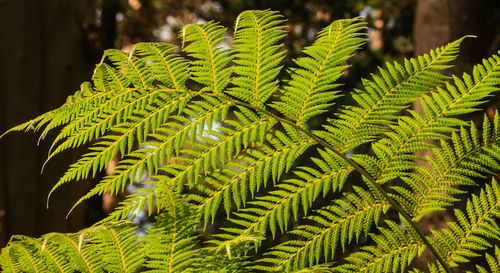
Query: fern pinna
{"type": "Point", "coordinates": [217, 140]}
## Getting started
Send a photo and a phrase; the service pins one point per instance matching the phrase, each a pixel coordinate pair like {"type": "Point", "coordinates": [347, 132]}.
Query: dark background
{"type": "Point", "coordinates": [49, 47]}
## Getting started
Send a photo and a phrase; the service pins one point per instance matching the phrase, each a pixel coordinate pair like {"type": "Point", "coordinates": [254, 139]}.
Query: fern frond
{"type": "Point", "coordinates": [8, 259]}
{"type": "Point", "coordinates": [311, 89]}
{"type": "Point", "coordinates": [493, 263]}
{"type": "Point", "coordinates": [172, 240]}
{"type": "Point", "coordinates": [393, 251]}
{"type": "Point", "coordinates": [257, 56]}
{"type": "Point", "coordinates": [122, 140]}
{"type": "Point", "coordinates": [470, 156]}
{"type": "Point", "coordinates": [475, 229]}
{"type": "Point", "coordinates": [120, 248]}
{"type": "Point", "coordinates": [81, 255]}
{"type": "Point", "coordinates": [228, 256]}
{"type": "Point", "coordinates": [134, 69]}
{"type": "Point", "coordinates": [106, 248]}
{"type": "Point", "coordinates": [80, 101]}
{"type": "Point", "coordinates": [30, 125]}
{"type": "Point", "coordinates": [207, 153]}
{"type": "Point", "coordinates": [167, 67]}
{"type": "Point", "coordinates": [198, 140]}
{"type": "Point", "coordinates": [152, 62]}
{"type": "Point", "coordinates": [23, 256]}
{"type": "Point", "coordinates": [275, 209]}
{"type": "Point", "coordinates": [166, 141]}
{"type": "Point", "coordinates": [156, 196]}
{"type": "Point", "coordinates": [322, 268]}
{"type": "Point", "coordinates": [253, 171]}
{"type": "Point", "coordinates": [386, 95]}
{"type": "Point", "coordinates": [394, 153]}
{"type": "Point", "coordinates": [115, 111]}
{"type": "Point", "coordinates": [211, 58]}
{"type": "Point", "coordinates": [331, 227]}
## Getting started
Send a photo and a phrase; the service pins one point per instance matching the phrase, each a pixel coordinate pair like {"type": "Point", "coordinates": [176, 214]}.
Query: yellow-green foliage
{"type": "Point", "coordinates": [320, 202]}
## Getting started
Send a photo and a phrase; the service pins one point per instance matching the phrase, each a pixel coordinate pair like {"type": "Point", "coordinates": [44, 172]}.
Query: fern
{"type": "Point", "coordinates": [224, 158]}
{"type": "Point", "coordinates": [474, 230]}
{"type": "Point", "coordinates": [106, 248]}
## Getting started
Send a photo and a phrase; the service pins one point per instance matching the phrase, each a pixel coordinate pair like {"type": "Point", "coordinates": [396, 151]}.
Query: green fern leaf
{"type": "Point", "coordinates": [256, 168]}
{"type": "Point", "coordinates": [211, 58]}
{"type": "Point", "coordinates": [311, 88]}
{"type": "Point", "coordinates": [386, 95]}
{"type": "Point", "coordinates": [338, 225]}
{"type": "Point", "coordinates": [275, 210]}
{"type": "Point", "coordinates": [475, 229]}
{"type": "Point", "coordinates": [456, 166]}
{"type": "Point", "coordinates": [257, 57]}
{"type": "Point", "coordinates": [172, 241]}
{"type": "Point", "coordinates": [393, 251]}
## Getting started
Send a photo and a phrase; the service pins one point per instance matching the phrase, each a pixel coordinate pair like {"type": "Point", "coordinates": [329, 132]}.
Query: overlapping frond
{"type": "Point", "coordinates": [230, 255]}
{"type": "Point", "coordinates": [242, 178]}
{"type": "Point", "coordinates": [167, 68]}
{"type": "Point", "coordinates": [163, 144]}
{"type": "Point", "coordinates": [257, 55]}
{"type": "Point", "coordinates": [274, 210]}
{"type": "Point", "coordinates": [82, 100]}
{"type": "Point", "coordinates": [130, 114]}
{"type": "Point", "coordinates": [124, 136]}
{"type": "Point", "coordinates": [172, 240]}
{"type": "Point", "coordinates": [152, 64]}
{"type": "Point", "coordinates": [472, 154]}
{"type": "Point", "coordinates": [330, 228]}
{"type": "Point", "coordinates": [395, 153]}
{"type": "Point", "coordinates": [393, 250]}
{"type": "Point", "coordinates": [397, 86]}
{"type": "Point", "coordinates": [476, 227]}
{"type": "Point", "coordinates": [120, 249]}
{"type": "Point", "coordinates": [311, 89]}
{"type": "Point", "coordinates": [152, 197]}
{"type": "Point", "coordinates": [106, 248]}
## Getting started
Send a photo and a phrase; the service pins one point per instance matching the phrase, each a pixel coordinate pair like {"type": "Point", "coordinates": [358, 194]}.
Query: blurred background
{"type": "Point", "coordinates": [49, 47]}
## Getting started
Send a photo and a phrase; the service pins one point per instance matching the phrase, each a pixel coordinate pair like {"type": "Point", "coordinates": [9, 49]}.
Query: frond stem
{"type": "Point", "coordinates": [327, 145]}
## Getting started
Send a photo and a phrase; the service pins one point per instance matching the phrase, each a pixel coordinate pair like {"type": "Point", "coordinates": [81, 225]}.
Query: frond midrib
{"type": "Point", "coordinates": [471, 229]}
{"type": "Point", "coordinates": [318, 71]}
{"type": "Point", "coordinates": [11, 262]}
{"type": "Point", "coordinates": [433, 118]}
{"type": "Point", "coordinates": [449, 167]}
{"type": "Point", "coordinates": [174, 233]}
{"type": "Point", "coordinates": [118, 245]}
{"type": "Point", "coordinates": [256, 93]}
{"type": "Point", "coordinates": [390, 253]}
{"type": "Point", "coordinates": [372, 108]}
{"type": "Point", "coordinates": [26, 254]}
{"type": "Point", "coordinates": [49, 254]}
{"type": "Point", "coordinates": [312, 240]}
{"type": "Point", "coordinates": [210, 46]}
{"type": "Point", "coordinates": [79, 252]}
{"type": "Point", "coordinates": [244, 173]}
